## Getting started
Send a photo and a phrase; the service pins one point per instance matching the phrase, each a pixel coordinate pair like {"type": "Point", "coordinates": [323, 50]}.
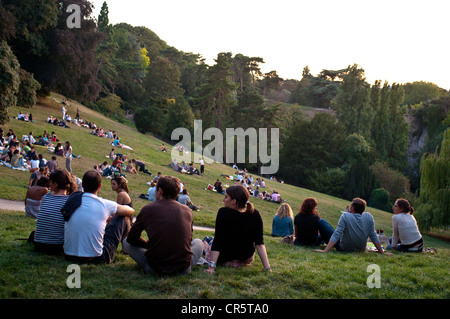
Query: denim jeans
{"type": "Point", "coordinates": [325, 233]}
{"type": "Point", "coordinates": [138, 254]}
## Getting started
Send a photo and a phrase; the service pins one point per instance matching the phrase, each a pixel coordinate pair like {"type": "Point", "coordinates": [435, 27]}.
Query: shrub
{"type": "Point", "coordinates": [379, 198]}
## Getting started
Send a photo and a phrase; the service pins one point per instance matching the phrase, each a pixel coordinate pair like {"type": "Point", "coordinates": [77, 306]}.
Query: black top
{"type": "Point", "coordinates": [306, 229]}
{"type": "Point", "coordinates": [236, 234]}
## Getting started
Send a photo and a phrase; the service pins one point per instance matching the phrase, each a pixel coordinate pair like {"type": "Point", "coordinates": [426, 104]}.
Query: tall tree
{"type": "Point", "coordinates": [434, 201]}
{"type": "Point", "coordinates": [215, 99]}
{"type": "Point", "coordinates": [352, 102]}
{"type": "Point", "coordinates": [71, 66]}
{"type": "Point", "coordinates": [9, 80]}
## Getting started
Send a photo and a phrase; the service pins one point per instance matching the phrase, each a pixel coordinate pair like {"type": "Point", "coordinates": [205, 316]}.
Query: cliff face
{"type": "Point", "coordinates": [417, 139]}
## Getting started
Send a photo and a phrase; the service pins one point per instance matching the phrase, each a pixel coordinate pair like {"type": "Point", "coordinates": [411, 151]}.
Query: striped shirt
{"type": "Point", "coordinates": [50, 221]}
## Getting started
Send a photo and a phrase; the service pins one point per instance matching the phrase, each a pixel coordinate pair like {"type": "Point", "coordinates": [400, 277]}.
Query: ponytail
{"type": "Point", "coordinates": [249, 208]}
{"type": "Point", "coordinates": [241, 195]}
{"type": "Point", "coordinates": [405, 206]}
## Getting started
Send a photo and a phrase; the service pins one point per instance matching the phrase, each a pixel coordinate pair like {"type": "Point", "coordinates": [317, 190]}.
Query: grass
{"type": "Point", "coordinates": [298, 273]}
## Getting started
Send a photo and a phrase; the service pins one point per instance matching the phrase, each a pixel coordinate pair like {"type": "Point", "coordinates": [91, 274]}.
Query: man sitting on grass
{"type": "Point", "coordinates": [94, 226]}
{"type": "Point", "coordinates": [353, 229]}
{"type": "Point", "coordinates": [169, 249]}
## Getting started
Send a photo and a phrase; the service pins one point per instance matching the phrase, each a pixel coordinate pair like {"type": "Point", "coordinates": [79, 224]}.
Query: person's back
{"type": "Point", "coordinates": [161, 221]}
{"type": "Point", "coordinates": [151, 193]}
{"type": "Point", "coordinates": [85, 230]}
{"type": "Point", "coordinates": [237, 234]}
{"type": "Point", "coordinates": [353, 229]}
{"type": "Point", "coordinates": [184, 199]}
{"type": "Point", "coordinates": [405, 229]}
{"type": "Point", "coordinates": [282, 226]}
{"type": "Point", "coordinates": [307, 227]}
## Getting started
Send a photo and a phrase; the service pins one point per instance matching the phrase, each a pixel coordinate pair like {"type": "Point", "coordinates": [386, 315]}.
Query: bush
{"type": "Point", "coordinates": [379, 198]}
{"type": "Point", "coordinates": [330, 181]}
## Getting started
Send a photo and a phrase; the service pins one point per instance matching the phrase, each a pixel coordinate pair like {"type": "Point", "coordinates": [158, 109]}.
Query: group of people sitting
{"type": "Point", "coordinates": [354, 227]}
{"type": "Point", "coordinates": [90, 228]}
{"type": "Point", "coordinates": [186, 169]}
{"type": "Point", "coordinates": [254, 189]}
{"type": "Point", "coordinates": [25, 117]}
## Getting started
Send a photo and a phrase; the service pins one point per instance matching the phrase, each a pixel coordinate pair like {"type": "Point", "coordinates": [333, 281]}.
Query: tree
{"type": "Point", "coordinates": [9, 80]}
{"type": "Point", "coordinates": [417, 92]}
{"type": "Point", "coordinates": [71, 66]}
{"type": "Point", "coordinates": [26, 97]}
{"type": "Point", "coordinates": [179, 115]}
{"type": "Point", "coordinates": [434, 201]}
{"type": "Point", "coordinates": [352, 102]}
{"type": "Point", "coordinates": [214, 100]}
{"type": "Point", "coordinates": [7, 23]}
{"type": "Point", "coordinates": [163, 80]}
{"type": "Point", "coordinates": [312, 145]}
{"type": "Point", "coordinates": [359, 181]}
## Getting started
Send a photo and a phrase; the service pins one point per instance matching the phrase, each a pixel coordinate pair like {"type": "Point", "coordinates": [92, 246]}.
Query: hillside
{"type": "Point", "coordinates": [297, 272]}
{"type": "Point", "coordinates": [93, 150]}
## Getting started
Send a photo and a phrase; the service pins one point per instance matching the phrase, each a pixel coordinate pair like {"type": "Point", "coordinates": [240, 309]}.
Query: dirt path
{"type": "Point", "coordinates": [19, 206]}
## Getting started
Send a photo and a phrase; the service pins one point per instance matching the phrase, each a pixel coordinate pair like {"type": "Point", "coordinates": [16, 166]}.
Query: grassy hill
{"type": "Point", "coordinates": [297, 272]}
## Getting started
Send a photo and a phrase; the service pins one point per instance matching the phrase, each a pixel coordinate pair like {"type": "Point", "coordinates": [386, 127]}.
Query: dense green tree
{"type": "Point", "coordinates": [312, 145]}
{"type": "Point", "coordinates": [9, 80]}
{"type": "Point", "coordinates": [352, 102]}
{"type": "Point", "coordinates": [179, 115]}
{"type": "Point", "coordinates": [26, 97]}
{"type": "Point", "coordinates": [7, 23]}
{"type": "Point", "coordinates": [215, 99]}
{"type": "Point", "coordinates": [420, 91]}
{"type": "Point", "coordinates": [163, 80]}
{"type": "Point", "coordinates": [359, 181]}
{"type": "Point", "coordinates": [434, 201]}
{"type": "Point", "coordinates": [71, 67]}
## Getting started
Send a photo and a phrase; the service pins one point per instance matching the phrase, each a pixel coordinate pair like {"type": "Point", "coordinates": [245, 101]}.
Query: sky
{"type": "Point", "coordinates": [392, 40]}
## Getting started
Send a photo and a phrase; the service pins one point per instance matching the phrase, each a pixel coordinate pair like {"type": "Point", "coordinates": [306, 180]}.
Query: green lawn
{"type": "Point", "coordinates": [297, 272]}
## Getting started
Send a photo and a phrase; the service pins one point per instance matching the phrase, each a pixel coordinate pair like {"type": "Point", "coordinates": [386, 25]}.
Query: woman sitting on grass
{"type": "Point", "coordinates": [282, 223]}
{"type": "Point", "coordinates": [120, 186]}
{"type": "Point", "coordinates": [310, 229]}
{"type": "Point", "coordinates": [406, 236]}
{"type": "Point", "coordinates": [238, 231]}
{"type": "Point", "coordinates": [49, 234]}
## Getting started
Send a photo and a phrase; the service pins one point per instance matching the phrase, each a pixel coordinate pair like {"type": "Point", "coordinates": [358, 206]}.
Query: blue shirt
{"type": "Point", "coordinates": [151, 193]}
{"type": "Point", "coordinates": [282, 227]}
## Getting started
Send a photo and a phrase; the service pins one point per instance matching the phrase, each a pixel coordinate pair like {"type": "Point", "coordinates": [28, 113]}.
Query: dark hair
{"type": "Point", "coordinates": [241, 195]}
{"type": "Point", "coordinates": [359, 205]}
{"type": "Point", "coordinates": [63, 180]}
{"type": "Point", "coordinates": [92, 180]}
{"type": "Point", "coordinates": [309, 206]}
{"type": "Point", "coordinates": [44, 181]}
{"type": "Point", "coordinates": [121, 182]}
{"type": "Point", "coordinates": [170, 186]}
{"type": "Point", "coordinates": [405, 206]}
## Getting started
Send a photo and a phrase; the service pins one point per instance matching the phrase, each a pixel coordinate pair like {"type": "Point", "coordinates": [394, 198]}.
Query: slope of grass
{"type": "Point", "coordinates": [297, 272]}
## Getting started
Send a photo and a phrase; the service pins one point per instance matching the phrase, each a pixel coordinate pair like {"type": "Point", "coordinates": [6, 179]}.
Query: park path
{"type": "Point", "coordinates": [19, 206]}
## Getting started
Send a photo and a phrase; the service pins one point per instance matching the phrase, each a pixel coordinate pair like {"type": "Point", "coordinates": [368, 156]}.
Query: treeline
{"type": "Point", "coordinates": [358, 148]}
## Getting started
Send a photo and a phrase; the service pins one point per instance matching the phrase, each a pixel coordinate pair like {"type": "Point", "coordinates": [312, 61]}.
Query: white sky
{"type": "Point", "coordinates": [392, 40]}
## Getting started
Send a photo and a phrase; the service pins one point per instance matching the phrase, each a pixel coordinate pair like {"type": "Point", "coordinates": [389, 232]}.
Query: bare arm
{"type": "Point", "coordinates": [261, 249]}
{"type": "Point", "coordinates": [125, 210]}
{"type": "Point", "coordinates": [214, 258]}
